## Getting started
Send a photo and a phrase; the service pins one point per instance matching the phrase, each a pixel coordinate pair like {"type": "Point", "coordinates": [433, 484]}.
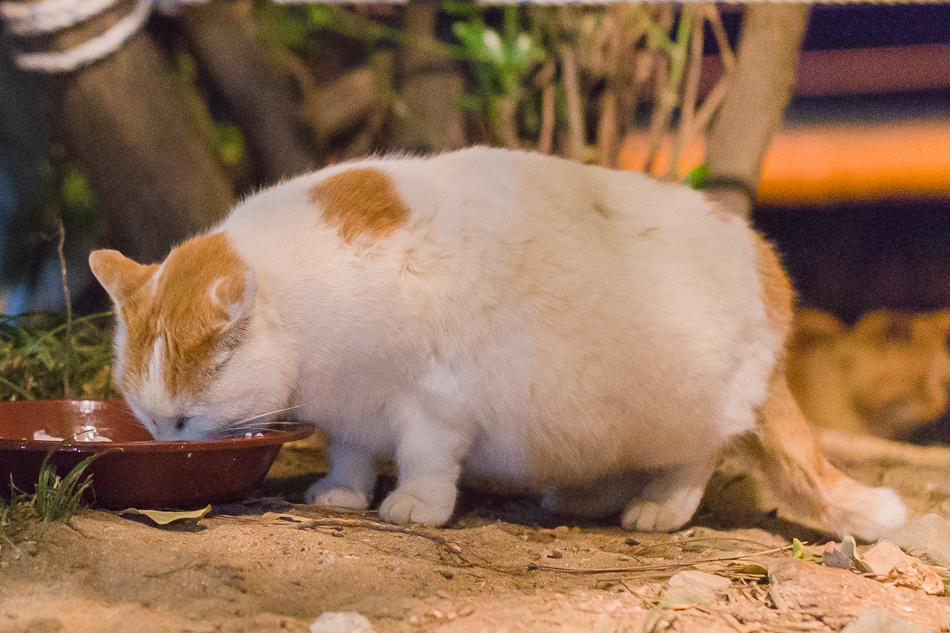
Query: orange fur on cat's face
{"type": "Point", "coordinates": [180, 322]}
{"type": "Point", "coordinates": [884, 376]}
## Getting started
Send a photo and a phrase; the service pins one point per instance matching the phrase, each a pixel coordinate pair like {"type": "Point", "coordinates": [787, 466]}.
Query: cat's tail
{"type": "Point", "coordinates": [807, 484]}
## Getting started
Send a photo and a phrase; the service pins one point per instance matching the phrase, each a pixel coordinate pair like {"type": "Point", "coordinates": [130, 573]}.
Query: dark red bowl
{"type": "Point", "coordinates": [142, 473]}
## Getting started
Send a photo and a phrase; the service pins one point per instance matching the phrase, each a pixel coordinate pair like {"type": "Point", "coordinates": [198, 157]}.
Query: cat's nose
{"type": "Point", "coordinates": [181, 423]}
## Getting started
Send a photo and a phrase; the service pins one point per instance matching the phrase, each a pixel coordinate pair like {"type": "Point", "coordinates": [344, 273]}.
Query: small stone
{"type": "Point", "coordinates": [882, 621]}
{"type": "Point", "coordinates": [447, 574]}
{"type": "Point", "coordinates": [696, 585]}
{"type": "Point", "coordinates": [43, 625]}
{"type": "Point", "coordinates": [927, 537]}
{"type": "Point", "coordinates": [341, 622]}
{"type": "Point", "coordinates": [555, 553]}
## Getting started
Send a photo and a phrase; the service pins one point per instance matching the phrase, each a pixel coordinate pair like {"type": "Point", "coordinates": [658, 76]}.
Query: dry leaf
{"type": "Point", "coordinates": [887, 562]}
{"type": "Point", "coordinates": [164, 517]}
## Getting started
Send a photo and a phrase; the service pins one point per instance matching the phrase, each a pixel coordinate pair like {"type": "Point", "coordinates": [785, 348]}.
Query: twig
{"type": "Point", "coordinates": [690, 93]}
{"type": "Point", "coordinates": [546, 79]}
{"type": "Point", "coordinates": [575, 110]}
{"type": "Point", "coordinates": [722, 40]}
{"type": "Point", "coordinates": [699, 539]}
{"type": "Point", "coordinates": [60, 251]}
{"type": "Point", "coordinates": [621, 570]}
{"type": "Point", "coordinates": [673, 64]}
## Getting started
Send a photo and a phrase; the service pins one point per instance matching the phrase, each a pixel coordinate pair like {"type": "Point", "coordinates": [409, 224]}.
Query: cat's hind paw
{"type": "Point", "coordinates": [402, 508]}
{"type": "Point", "coordinates": [322, 493]}
{"type": "Point", "coordinates": [650, 516]}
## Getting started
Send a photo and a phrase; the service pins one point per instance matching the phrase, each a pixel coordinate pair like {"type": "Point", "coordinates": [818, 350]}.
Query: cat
{"type": "Point", "coordinates": [592, 333]}
{"type": "Point", "coordinates": [884, 376]}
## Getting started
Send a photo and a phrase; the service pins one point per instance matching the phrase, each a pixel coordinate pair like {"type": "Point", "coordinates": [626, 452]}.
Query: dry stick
{"type": "Point", "coordinates": [727, 57]}
{"type": "Point", "coordinates": [607, 128]}
{"type": "Point", "coordinates": [663, 101]}
{"type": "Point", "coordinates": [575, 111]}
{"type": "Point", "coordinates": [699, 539]}
{"type": "Point", "coordinates": [507, 125]}
{"type": "Point", "coordinates": [60, 251]}
{"type": "Point", "coordinates": [722, 40]}
{"type": "Point", "coordinates": [622, 570]}
{"type": "Point", "coordinates": [442, 543]}
{"type": "Point", "coordinates": [684, 133]}
{"type": "Point", "coordinates": [546, 81]}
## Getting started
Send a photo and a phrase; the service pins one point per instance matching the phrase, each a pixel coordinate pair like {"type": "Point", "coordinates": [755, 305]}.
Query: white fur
{"type": "Point", "coordinates": [536, 320]}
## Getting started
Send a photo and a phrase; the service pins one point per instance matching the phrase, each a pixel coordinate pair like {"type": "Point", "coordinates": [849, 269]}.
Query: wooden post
{"type": "Point", "coordinates": [121, 120]}
{"type": "Point", "coordinates": [259, 92]}
{"type": "Point", "coordinates": [429, 86]}
{"type": "Point", "coordinates": [752, 110]}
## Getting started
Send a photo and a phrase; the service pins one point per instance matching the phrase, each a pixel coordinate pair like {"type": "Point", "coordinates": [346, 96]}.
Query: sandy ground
{"type": "Point", "coordinates": [270, 564]}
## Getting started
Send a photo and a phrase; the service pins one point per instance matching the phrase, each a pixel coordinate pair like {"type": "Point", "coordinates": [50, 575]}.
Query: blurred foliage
{"type": "Point", "coordinates": [34, 353]}
{"type": "Point", "coordinates": [502, 61]}
{"type": "Point", "coordinates": [697, 176]}
{"type": "Point", "coordinates": [54, 498]}
{"type": "Point", "coordinates": [230, 143]}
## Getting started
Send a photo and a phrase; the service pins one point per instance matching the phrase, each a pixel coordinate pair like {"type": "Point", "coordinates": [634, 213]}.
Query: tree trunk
{"type": "Point", "coordinates": [121, 121]}
{"type": "Point", "coordinates": [752, 110]}
{"type": "Point", "coordinates": [430, 120]}
{"type": "Point", "coordinates": [260, 95]}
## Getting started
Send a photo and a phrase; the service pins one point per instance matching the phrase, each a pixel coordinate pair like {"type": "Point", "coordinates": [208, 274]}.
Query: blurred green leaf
{"type": "Point", "coordinates": [230, 143]}
{"type": "Point", "coordinates": [697, 176]}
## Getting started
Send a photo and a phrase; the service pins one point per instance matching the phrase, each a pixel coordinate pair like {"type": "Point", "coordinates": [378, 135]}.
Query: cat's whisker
{"type": "Point", "coordinates": [256, 423]}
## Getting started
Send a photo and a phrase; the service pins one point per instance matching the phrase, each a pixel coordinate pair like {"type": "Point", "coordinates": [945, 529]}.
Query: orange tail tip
{"type": "Point", "coordinates": [809, 485]}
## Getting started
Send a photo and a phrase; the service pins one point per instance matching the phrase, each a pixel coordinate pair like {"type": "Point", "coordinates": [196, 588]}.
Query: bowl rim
{"type": "Point", "coordinates": [287, 432]}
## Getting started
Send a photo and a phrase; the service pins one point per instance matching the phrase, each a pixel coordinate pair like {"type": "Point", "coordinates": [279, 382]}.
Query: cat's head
{"type": "Point", "coordinates": [194, 348]}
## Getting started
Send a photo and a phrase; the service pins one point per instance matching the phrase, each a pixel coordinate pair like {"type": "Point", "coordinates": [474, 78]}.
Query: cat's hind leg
{"type": "Point", "coordinates": [670, 497]}
{"type": "Point", "coordinates": [351, 479]}
{"type": "Point", "coordinates": [807, 484]}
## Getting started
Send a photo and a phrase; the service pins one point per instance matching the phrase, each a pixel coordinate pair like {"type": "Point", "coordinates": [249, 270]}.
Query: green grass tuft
{"type": "Point", "coordinates": [34, 355]}
{"type": "Point", "coordinates": [58, 499]}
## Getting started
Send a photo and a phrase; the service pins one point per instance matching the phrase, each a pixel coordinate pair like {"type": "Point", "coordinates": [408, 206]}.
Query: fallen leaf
{"type": "Point", "coordinates": [842, 556]}
{"type": "Point", "coordinates": [164, 517]}
{"type": "Point", "coordinates": [752, 570]}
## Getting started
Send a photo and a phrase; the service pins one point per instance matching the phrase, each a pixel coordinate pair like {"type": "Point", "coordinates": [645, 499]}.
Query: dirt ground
{"type": "Point", "coordinates": [504, 564]}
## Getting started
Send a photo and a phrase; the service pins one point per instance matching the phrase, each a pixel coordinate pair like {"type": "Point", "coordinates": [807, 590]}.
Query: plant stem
{"type": "Point", "coordinates": [67, 390]}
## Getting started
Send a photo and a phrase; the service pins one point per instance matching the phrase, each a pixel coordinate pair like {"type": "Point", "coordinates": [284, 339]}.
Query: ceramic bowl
{"type": "Point", "coordinates": [142, 473]}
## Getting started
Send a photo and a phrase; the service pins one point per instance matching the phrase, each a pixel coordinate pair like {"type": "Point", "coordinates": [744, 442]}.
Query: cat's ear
{"type": "Point", "coordinates": [118, 274]}
{"type": "Point", "coordinates": [235, 293]}
{"type": "Point", "coordinates": [884, 327]}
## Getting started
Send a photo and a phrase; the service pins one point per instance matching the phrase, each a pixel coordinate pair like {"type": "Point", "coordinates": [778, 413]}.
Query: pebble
{"type": "Point", "coordinates": [927, 537]}
{"type": "Point", "coordinates": [882, 621]}
{"type": "Point", "coordinates": [341, 622]}
{"type": "Point", "coordinates": [696, 585]}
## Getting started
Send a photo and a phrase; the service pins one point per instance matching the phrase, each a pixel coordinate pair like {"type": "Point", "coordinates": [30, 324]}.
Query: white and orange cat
{"type": "Point", "coordinates": [593, 333]}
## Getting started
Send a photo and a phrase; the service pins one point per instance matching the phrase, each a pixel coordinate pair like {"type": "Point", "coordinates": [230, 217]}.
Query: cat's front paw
{"type": "Point", "coordinates": [323, 493]}
{"type": "Point", "coordinates": [402, 508]}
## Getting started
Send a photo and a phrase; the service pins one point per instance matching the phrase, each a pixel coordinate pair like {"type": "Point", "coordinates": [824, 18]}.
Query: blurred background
{"type": "Point", "coordinates": [209, 102]}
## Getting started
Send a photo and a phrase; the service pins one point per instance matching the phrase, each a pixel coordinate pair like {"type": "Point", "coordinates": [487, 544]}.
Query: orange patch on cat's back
{"type": "Point", "coordinates": [777, 293]}
{"type": "Point", "coordinates": [186, 305]}
{"type": "Point", "coordinates": [360, 202]}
